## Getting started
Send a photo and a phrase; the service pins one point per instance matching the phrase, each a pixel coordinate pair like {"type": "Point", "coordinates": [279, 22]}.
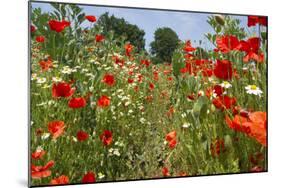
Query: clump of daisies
{"type": "Point", "coordinates": [254, 90]}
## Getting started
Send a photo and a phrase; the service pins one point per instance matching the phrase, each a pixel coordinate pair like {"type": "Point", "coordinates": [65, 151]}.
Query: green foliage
{"type": "Point", "coordinates": [165, 42]}
{"type": "Point", "coordinates": [122, 30]}
{"type": "Point", "coordinates": [66, 43]}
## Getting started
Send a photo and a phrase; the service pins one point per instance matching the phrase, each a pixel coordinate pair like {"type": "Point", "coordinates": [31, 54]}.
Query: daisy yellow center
{"type": "Point", "coordinates": [253, 87]}
{"type": "Point", "coordinates": [225, 83]}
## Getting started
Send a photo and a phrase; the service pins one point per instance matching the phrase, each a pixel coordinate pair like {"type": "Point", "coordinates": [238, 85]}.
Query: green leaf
{"type": "Point", "coordinates": [200, 107]}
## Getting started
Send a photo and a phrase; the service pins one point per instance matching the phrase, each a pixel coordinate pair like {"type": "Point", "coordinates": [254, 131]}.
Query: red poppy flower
{"type": "Point", "coordinates": [172, 144]}
{"type": "Point", "coordinates": [145, 62]}
{"type": "Point", "coordinates": [224, 102]}
{"type": "Point", "coordinates": [118, 61]}
{"type": "Point", "coordinates": [171, 136]}
{"type": "Point", "coordinates": [151, 86]}
{"type": "Point", "coordinates": [251, 47]}
{"type": "Point", "coordinates": [171, 139]}
{"type": "Point", "coordinates": [103, 101]}
{"type": "Point", "coordinates": [78, 102]}
{"type": "Point", "coordinates": [106, 137]}
{"type": "Point", "coordinates": [40, 39]}
{"type": "Point", "coordinates": [207, 72]}
{"type": "Point", "coordinates": [38, 172]}
{"type": "Point", "coordinates": [223, 69]}
{"type": "Point", "coordinates": [61, 180]}
{"type": "Point", "coordinates": [130, 80]}
{"type": "Point", "coordinates": [56, 128]}
{"type": "Point", "coordinates": [165, 171]}
{"type": "Point", "coordinates": [188, 47]}
{"type": "Point", "coordinates": [99, 38]}
{"type": "Point", "coordinates": [227, 43]}
{"type": "Point", "coordinates": [109, 79]}
{"type": "Point", "coordinates": [89, 178]}
{"type": "Point", "coordinates": [254, 126]}
{"type": "Point", "coordinates": [82, 136]}
{"type": "Point", "coordinates": [38, 154]}
{"type": "Point", "coordinates": [58, 26]}
{"type": "Point", "coordinates": [62, 89]}
{"type": "Point", "coordinates": [217, 147]}
{"type": "Point", "coordinates": [32, 28]}
{"type": "Point", "coordinates": [91, 18]}
{"type": "Point", "coordinates": [46, 64]}
{"type": "Point", "coordinates": [218, 90]}
{"type": "Point", "coordinates": [128, 48]}
{"type": "Point", "coordinates": [253, 20]}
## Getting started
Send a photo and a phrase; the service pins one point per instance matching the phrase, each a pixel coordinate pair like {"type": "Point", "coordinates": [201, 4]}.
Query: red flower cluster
{"type": "Point", "coordinates": [62, 89]}
{"type": "Point", "coordinates": [145, 62]}
{"type": "Point", "coordinates": [223, 69]}
{"type": "Point", "coordinates": [254, 125]}
{"type": "Point", "coordinates": [103, 101]}
{"type": "Point", "coordinates": [78, 102]}
{"type": "Point", "coordinates": [227, 43]}
{"type": "Point", "coordinates": [217, 147]}
{"type": "Point", "coordinates": [38, 172]}
{"type": "Point", "coordinates": [38, 154]}
{"type": "Point", "coordinates": [89, 178]}
{"type": "Point", "coordinates": [46, 64]}
{"type": "Point", "coordinates": [61, 180]}
{"type": "Point", "coordinates": [224, 102]}
{"type": "Point", "coordinates": [251, 47]}
{"type": "Point", "coordinates": [40, 39]}
{"type": "Point", "coordinates": [58, 26]}
{"type": "Point", "coordinates": [128, 49]}
{"type": "Point", "coordinates": [82, 136]}
{"type": "Point", "coordinates": [106, 137]}
{"type": "Point", "coordinates": [56, 128]}
{"type": "Point", "coordinates": [165, 171]}
{"type": "Point", "coordinates": [32, 28]}
{"type": "Point", "coordinates": [254, 20]}
{"type": "Point", "coordinates": [171, 139]}
{"type": "Point", "coordinates": [91, 18]}
{"type": "Point", "coordinates": [99, 38]}
{"type": "Point", "coordinates": [109, 79]}
{"type": "Point", "coordinates": [118, 61]}
{"type": "Point", "coordinates": [188, 47]}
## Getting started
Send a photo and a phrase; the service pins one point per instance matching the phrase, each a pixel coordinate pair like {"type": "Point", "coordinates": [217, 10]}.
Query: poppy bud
{"type": "Point", "coordinates": [220, 19]}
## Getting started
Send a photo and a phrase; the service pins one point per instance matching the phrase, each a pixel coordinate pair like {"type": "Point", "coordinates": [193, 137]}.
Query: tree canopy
{"type": "Point", "coordinates": [122, 29]}
{"type": "Point", "coordinates": [165, 42]}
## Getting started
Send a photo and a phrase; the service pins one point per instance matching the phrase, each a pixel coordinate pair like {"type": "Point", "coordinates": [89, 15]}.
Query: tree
{"type": "Point", "coordinates": [165, 42]}
{"type": "Point", "coordinates": [122, 29]}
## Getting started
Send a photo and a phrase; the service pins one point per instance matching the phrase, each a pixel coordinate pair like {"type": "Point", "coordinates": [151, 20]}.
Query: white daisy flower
{"type": "Point", "coordinates": [186, 125]}
{"type": "Point", "coordinates": [253, 89]}
{"type": "Point", "coordinates": [41, 80]}
{"type": "Point", "coordinates": [225, 84]}
{"type": "Point", "coordinates": [56, 79]}
{"type": "Point", "coordinates": [116, 152]}
{"type": "Point", "coordinates": [39, 148]}
{"type": "Point", "coordinates": [45, 136]}
{"type": "Point", "coordinates": [67, 70]}
{"type": "Point", "coordinates": [74, 139]}
{"type": "Point", "coordinates": [100, 175]}
{"type": "Point", "coordinates": [84, 70]}
{"type": "Point", "coordinates": [142, 120]}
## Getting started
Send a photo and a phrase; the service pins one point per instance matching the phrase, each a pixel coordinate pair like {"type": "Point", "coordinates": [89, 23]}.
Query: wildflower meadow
{"type": "Point", "coordinates": [103, 109]}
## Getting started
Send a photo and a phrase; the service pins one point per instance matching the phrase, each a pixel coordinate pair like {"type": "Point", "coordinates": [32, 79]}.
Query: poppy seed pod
{"type": "Point", "coordinates": [220, 19]}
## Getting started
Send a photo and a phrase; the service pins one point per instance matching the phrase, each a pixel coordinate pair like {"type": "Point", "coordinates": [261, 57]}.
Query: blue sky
{"type": "Point", "coordinates": [188, 25]}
